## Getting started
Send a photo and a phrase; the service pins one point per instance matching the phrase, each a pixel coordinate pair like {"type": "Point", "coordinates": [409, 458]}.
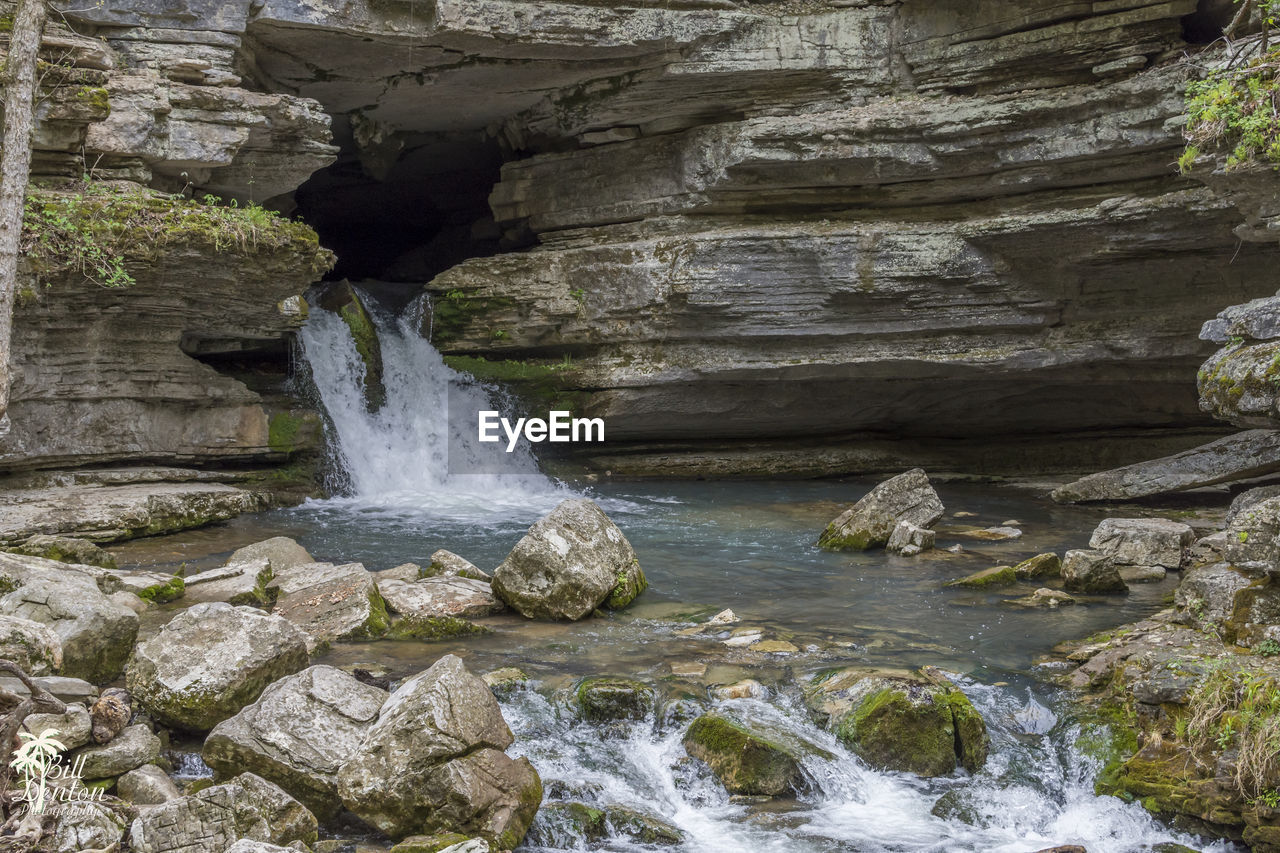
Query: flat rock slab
{"type": "Point", "coordinates": [440, 596]}
{"type": "Point", "coordinates": [1237, 457]}
{"type": "Point", "coordinates": [118, 512]}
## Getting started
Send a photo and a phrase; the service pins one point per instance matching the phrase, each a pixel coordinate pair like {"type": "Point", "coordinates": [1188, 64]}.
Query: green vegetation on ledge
{"type": "Point", "coordinates": [97, 230]}
{"type": "Point", "coordinates": [1234, 110]}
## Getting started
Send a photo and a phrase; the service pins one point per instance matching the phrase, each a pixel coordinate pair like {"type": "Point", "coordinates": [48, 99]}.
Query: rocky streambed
{"type": "Point", "coordinates": [762, 693]}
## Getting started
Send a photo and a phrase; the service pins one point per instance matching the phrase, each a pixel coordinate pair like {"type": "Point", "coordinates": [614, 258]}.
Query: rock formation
{"type": "Point", "coordinates": [748, 226]}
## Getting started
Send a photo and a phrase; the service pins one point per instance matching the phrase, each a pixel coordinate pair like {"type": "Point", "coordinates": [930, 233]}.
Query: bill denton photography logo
{"type": "Point", "coordinates": [50, 786]}
{"type": "Point", "coordinates": [559, 427]}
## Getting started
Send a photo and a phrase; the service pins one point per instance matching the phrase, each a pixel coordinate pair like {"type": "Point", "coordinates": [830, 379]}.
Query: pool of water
{"type": "Point", "coordinates": [705, 547]}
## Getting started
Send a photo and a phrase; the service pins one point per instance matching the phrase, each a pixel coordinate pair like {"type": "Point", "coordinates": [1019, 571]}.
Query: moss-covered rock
{"type": "Point", "coordinates": [417, 627]}
{"type": "Point", "coordinates": [66, 549]}
{"type": "Point", "coordinates": [992, 578]}
{"type": "Point", "coordinates": [345, 301]}
{"type": "Point", "coordinates": [605, 699]}
{"type": "Point", "coordinates": [630, 583]}
{"type": "Point", "coordinates": [745, 760]}
{"type": "Point", "coordinates": [871, 521]}
{"type": "Point", "coordinates": [920, 723]}
{"type": "Point", "coordinates": [1039, 566]}
{"type": "Point", "coordinates": [163, 593]}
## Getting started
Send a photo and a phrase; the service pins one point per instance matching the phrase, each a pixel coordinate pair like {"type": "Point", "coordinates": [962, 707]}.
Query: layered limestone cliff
{"type": "Point", "coordinates": [756, 232]}
{"type": "Point", "coordinates": [131, 297]}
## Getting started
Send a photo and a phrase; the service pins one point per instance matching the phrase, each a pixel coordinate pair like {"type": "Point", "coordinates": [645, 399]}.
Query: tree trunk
{"type": "Point", "coordinates": [19, 80]}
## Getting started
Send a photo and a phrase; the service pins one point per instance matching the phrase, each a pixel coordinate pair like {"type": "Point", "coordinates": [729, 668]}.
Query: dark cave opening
{"type": "Point", "coordinates": [1206, 23]}
{"type": "Point", "coordinates": [407, 207]}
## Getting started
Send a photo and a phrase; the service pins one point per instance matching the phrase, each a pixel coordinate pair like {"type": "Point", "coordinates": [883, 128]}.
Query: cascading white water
{"type": "Point", "coordinates": [397, 458]}
{"type": "Point", "coordinates": [1036, 791]}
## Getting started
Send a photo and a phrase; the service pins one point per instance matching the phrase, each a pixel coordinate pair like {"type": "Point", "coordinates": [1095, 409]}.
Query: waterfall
{"type": "Point", "coordinates": [397, 458]}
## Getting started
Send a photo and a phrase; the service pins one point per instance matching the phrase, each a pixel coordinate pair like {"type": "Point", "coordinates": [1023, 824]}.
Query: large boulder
{"type": "Point", "coordinates": [210, 661]}
{"type": "Point", "coordinates": [1091, 572]}
{"type": "Point", "coordinates": [330, 602]}
{"type": "Point", "coordinates": [211, 821]}
{"type": "Point", "coordinates": [83, 828]}
{"type": "Point", "coordinates": [298, 734]}
{"type": "Point", "coordinates": [1143, 541]}
{"type": "Point", "coordinates": [96, 632]}
{"type": "Point", "coordinates": [34, 646]}
{"type": "Point", "coordinates": [920, 724]}
{"type": "Point", "coordinates": [434, 761]}
{"type": "Point", "coordinates": [1254, 533]}
{"type": "Point", "coordinates": [568, 564]}
{"type": "Point", "coordinates": [603, 698]}
{"type": "Point", "coordinates": [1039, 566]}
{"type": "Point", "coordinates": [871, 521]}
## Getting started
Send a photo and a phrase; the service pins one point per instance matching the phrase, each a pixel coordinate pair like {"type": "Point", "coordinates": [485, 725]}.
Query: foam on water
{"type": "Point", "coordinates": [397, 459]}
{"type": "Point", "coordinates": [1036, 792]}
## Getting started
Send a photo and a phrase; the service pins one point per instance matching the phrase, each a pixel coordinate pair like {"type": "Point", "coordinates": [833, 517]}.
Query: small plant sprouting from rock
{"type": "Point", "coordinates": [1239, 710]}
{"type": "Point", "coordinates": [1268, 648]}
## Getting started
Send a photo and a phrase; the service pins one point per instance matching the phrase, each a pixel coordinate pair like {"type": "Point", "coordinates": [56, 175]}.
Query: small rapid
{"type": "Point", "coordinates": [397, 459]}
{"type": "Point", "coordinates": [1035, 792]}
{"type": "Point", "coordinates": [706, 546]}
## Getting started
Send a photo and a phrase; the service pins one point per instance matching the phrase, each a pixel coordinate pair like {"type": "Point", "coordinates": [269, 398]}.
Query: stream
{"type": "Point", "coordinates": [707, 546]}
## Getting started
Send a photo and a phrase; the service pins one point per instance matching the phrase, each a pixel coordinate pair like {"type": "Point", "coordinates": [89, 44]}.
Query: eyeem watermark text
{"type": "Point", "coordinates": [559, 427]}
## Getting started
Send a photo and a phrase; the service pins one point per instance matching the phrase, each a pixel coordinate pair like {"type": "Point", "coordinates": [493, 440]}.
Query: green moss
{"type": "Point", "coordinates": [95, 97]}
{"type": "Point", "coordinates": [454, 314]}
{"type": "Point", "coordinates": [101, 232]}
{"type": "Point", "coordinates": [433, 628]}
{"type": "Point", "coordinates": [890, 731]}
{"type": "Point", "coordinates": [1108, 735]}
{"type": "Point", "coordinates": [745, 761]}
{"type": "Point", "coordinates": [162, 593]}
{"type": "Point", "coordinates": [365, 336]}
{"type": "Point", "coordinates": [833, 540]}
{"type": "Point", "coordinates": [604, 699]}
{"type": "Point", "coordinates": [988, 578]}
{"type": "Point", "coordinates": [198, 785]}
{"type": "Point", "coordinates": [378, 622]}
{"type": "Point", "coordinates": [628, 585]}
{"type": "Point", "coordinates": [540, 382]}
{"type": "Point", "coordinates": [284, 430]}
{"type": "Point", "coordinates": [972, 741]}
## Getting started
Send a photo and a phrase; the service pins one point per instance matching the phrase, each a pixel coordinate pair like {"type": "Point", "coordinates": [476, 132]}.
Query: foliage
{"type": "Point", "coordinates": [1238, 709]}
{"type": "Point", "coordinates": [1268, 648]}
{"type": "Point", "coordinates": [95, 229]}
{"type": "Point", "coordinates": [1235, 110]}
